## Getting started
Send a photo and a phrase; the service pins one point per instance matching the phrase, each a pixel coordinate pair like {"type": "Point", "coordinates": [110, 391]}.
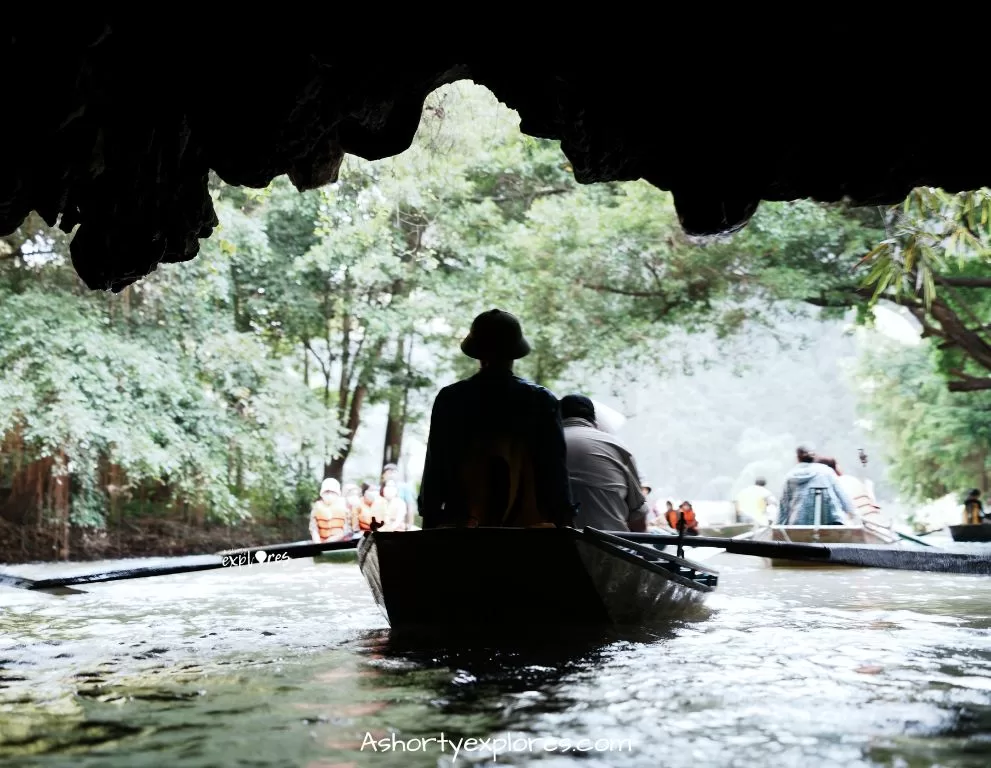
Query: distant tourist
{"type": "Point", "coordinates": [495, 452]}
{"type": "Point", "coordinates": [352, 495]}
{"type": "Point", "coordinates": [810, 487]}
{"type": "Point", "coordinates": [973, 509]}
{"type": "Point", "coordinates": [856, 489]}
{"type": "Point", "coordinates": [373, 510]}
{"type": "Point", "coordinates": [604, 477]}
{"type": "Point", "coordinates": [394, 508]}
{"type": "Point", "coordinates": [657, 521]}
{"type": "Point", "coordinates": [390, 473]}
{"type": "Point", "coordinates": [752, 503]}
{"type": "Point", "coordinates": [683, 519]}
{"type": "Point", "coordinates": [330, 518]}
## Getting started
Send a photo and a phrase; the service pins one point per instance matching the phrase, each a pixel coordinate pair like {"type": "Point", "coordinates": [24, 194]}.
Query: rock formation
{"type": "Point", "coordinates": [113, 123]}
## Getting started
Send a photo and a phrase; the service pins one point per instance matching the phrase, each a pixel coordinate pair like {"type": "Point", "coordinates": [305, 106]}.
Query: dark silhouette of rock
{"type": "Point", "coordinates": [118, 118]}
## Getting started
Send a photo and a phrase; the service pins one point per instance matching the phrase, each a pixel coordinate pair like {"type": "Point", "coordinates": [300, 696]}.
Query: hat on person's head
{"type": "Point", "coordinates": [495, 335]}
{"type": "Point", "coordinates": [330, 484]}
{"type": "Point", "coordinates": [577, 406]}
{"type": "Point", "coordinates": [389, 466]}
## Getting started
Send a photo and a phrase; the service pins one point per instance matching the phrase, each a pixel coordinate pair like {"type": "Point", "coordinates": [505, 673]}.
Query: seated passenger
{"type": "Point", "coordinates": [973, 509]}
{"type": "Point", "coordinates": [857, 490]}
{"type": "Point", "coordinates": [683, 517]}
{"type": "Point", "coordinates": [657, 517]}
{"type": "Point", "coordinates": [394, 508]}
{"type": "Point", "coordinates": [352, 495]}
{"type": "Point", "coordinates": [604, 477]}
{"type": "Point", "coordinates": [753, 501]}
{"type": "Point", "coordinates": [495, 451]}
{"type": "Point", "coordinates": [811, 490]}
{"type": "Point", "coordinates": [373, 511]}
{"type": "Point", "coordinates": [330, 518]}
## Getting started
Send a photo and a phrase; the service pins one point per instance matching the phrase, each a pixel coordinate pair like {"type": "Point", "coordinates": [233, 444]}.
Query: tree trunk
{"type": "Point", "coordinates": [59, 500]}
{"type": "Point", "coordinates": [335, 468]}
{"type": "Point", "coordinates": [395, 421]}
{"type": "Point", "coordinates": [306, 365]}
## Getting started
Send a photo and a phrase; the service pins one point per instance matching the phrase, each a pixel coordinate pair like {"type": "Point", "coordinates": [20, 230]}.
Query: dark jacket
{"type": "Point", "coordinates": [495, 455]}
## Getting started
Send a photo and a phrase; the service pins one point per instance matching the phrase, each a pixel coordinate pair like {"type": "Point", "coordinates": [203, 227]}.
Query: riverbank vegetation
{"type": "Point", "coordinates": [221, 390]}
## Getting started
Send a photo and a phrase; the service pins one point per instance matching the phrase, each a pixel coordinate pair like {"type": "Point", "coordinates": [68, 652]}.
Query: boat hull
{"type": "Point", "coordinates": [727, 531]}
{"type": "Point", "coordinates": [836, 536]}
{"type": "Point", "coordinates": [517, 580]}
{"type": "Point", "coordinates": [975, 532]}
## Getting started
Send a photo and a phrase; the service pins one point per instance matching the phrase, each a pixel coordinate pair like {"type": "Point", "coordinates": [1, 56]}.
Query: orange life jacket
{"type": "Point", "coordinates": [331, 519]}
{"type": "Point", "coordinates": [366, 512]}
{"type": "Point", "coordinates": [673, 515]}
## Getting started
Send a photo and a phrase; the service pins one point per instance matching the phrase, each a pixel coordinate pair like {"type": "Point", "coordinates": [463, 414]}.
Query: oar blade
{"type": "Point", "coordinates": [251, 556]}
{"type": "Point", "coordinates": [860, 555]}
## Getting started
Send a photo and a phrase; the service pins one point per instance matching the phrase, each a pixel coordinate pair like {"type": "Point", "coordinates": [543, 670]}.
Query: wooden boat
{"type": "Point", "coordinates": [526, 580]}
{"type": "Point", "coordinates": [726, 531]}
{"type": "Point", "coordinates": [972, 532]}
{"type": "Point", "coordinates": [833, 535]}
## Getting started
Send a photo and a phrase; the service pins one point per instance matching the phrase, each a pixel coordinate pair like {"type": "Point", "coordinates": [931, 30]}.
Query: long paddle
{"type": "Point", "coordinates": [877, 528]}
{"type": "Point", "coordinates": [846, 554]}
{"type": "Point", "coordinates": [230, 559]}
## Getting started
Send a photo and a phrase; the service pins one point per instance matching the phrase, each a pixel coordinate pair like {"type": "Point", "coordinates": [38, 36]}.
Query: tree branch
{"type": "Point", "coordinates": [323, 366]}
{"type": "Point", "coordinates": [965, 282]}
{"type": "Point", "coordinates": [622, 291]}
{"type": "Point", "coordinates": [968, 383]}
{"type": "Point", "coordinates": [523, 195]}
{"type": "Point", "coordinates": [928, 330]}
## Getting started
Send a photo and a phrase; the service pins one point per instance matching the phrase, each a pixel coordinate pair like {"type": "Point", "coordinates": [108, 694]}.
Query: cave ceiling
{"type": "Point", "coordinates": [114, 125]}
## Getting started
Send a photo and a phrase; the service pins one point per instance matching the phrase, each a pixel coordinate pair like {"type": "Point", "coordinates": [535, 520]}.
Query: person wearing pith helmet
{"type": "Point", "coordinates": [495, 450]}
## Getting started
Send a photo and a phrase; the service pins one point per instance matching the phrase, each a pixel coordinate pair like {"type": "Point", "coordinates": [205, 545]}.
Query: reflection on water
{"type": "Point", "coordinates": [291, 664]}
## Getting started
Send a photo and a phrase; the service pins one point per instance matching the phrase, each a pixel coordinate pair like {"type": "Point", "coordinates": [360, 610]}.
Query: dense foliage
{"type": "Point", "coordinates": [227, 386]}
{"type": "Point", "coordinates": [937, 442]}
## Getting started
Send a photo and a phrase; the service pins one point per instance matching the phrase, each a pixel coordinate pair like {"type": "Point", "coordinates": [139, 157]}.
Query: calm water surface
{"type": "Point", "coordinates": [291, 664]}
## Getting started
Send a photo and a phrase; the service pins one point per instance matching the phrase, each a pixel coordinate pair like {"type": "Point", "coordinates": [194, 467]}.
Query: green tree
{"type": "Point", "coordinates": [937, 442]}
{"type": "Point", "coordinates": [936, 261]}
{"type": "Point", "coordinates": [107, 403]}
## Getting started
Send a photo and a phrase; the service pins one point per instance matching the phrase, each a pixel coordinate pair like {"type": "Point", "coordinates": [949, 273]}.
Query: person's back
{"type": "Point", "coordinates": [604, 478]}
{"type": "Point", "coordinates": [973, 509]}
{"type": "Point", "coordinates": [860, 494]}
{"type": "Point", "coordinates": [810, 485]}
{"type": "Point", "coordinates": [495, 453]}
{"type": "Point", "coordinates": [752, 501]}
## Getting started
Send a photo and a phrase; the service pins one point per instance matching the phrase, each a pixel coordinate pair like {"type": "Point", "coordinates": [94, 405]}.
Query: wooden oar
{"type": "Point", "coordinates": [846, 554]}
{"type": "Point", "coordinates": [231, 559]}
{"type": "Point", "coordinates": [877, 528]}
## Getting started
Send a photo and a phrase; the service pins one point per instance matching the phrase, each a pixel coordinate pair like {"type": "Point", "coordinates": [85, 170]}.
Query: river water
{"type": "Point", "coordinates": [291, 664]}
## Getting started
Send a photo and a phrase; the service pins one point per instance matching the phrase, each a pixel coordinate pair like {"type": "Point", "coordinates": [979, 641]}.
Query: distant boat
{"type": "Point", "coordinates": [516, 581]}
{"type": "Point", "coordinates": [839, 535]}
{"type": "Point", "coordinates": [972, 532]}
